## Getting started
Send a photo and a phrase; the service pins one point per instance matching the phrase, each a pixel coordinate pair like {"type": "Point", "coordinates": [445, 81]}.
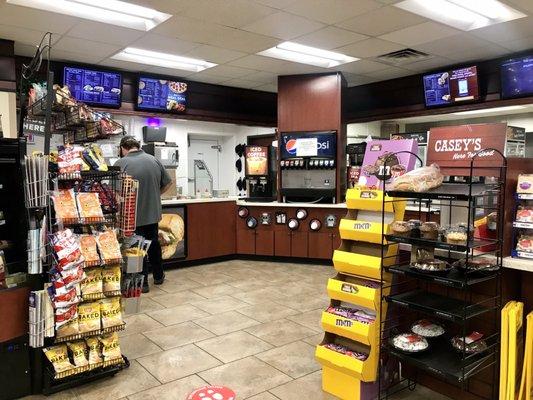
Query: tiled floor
{"type": "Point", "coordinates": [248, 325]}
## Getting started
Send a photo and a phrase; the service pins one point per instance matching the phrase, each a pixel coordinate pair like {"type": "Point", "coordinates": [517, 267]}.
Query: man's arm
{"type": "Point", "coordinates": [166, 187]}
{"type": "Point", "coordinates": [166, 181]}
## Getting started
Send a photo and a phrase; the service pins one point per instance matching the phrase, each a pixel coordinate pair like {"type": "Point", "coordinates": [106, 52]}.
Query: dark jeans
{"type": "Point", "coordinates": [150, 232]}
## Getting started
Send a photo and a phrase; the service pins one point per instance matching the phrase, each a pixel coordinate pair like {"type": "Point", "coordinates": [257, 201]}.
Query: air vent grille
{"type": "Point", "coordinates": [404, 56]}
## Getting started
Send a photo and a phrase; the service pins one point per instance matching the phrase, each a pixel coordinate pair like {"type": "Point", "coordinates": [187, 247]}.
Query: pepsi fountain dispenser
{"type": "Point", "coordinates": [308, 166]}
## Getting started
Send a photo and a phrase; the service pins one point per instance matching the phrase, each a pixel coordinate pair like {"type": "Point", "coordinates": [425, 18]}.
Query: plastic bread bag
{"type": "Point", "coordinates": [111, 278]}
{"type": "Point", "coordinates": [78, 351]}
{"type": "Point", "coordinates": [58, 356]}
{"type": "Point", "coordinates": [418, 180]}
{"type": "Point", "coordinates": [110, 346]}
{"type": "Point", "coordinates": [89, 317]}
{"type": "Point", "coordinates": [93, 284]}
{"type": "Point", "coordinates": [95, 353]}
{"type": "Point", "coordinates": [108, 245]}
{"type": "Point", "coordinates": [111, 311]}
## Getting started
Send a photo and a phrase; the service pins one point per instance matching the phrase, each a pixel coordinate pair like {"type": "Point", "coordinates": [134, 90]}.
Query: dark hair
{"type": "Point", "coordinates": [129, 142]}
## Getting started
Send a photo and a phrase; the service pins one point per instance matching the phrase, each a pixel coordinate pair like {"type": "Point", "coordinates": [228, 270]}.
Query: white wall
{"type": "Point", "coordinates": [8, 114]}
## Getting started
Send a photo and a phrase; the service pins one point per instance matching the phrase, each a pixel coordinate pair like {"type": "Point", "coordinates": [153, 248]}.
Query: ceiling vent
{"type": "Point", "coordinates": [404, 56]}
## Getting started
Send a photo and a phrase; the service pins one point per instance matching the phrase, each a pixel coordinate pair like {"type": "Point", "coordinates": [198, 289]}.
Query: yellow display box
{"type": "Point", "coordinates": [367, 265]}
{"type": "Point", "coordinates": [351, 329]}
{"type": "Point", "coordinates": [369, 200]}
{"type": "Point", "coordinates": [353, 293]}
{"type": "Point", "coordinates": [363, 231]}
{"type": "Point", "coordinates": [341, 385]}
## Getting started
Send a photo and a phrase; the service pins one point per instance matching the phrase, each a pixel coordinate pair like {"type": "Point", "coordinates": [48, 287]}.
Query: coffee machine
{"type": "Point", "coordinates": [308, 166]}
{"type": "Point", "coordinates": [355, 153]}
{"type": "Point", "coordinates": [257, 172]}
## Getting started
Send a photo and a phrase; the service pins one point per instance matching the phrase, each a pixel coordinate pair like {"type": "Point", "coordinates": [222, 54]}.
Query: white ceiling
{"type": "Point", "coordinates": [231, 32]}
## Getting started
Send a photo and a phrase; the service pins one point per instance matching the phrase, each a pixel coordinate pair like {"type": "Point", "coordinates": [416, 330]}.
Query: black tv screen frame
{"type": "Point", "coordinates": [503, 77]}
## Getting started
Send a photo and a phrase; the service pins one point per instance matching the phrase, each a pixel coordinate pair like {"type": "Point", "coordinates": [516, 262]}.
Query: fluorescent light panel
{"type": "Point", "coordinates": [462, 14]}
{"type": "Point", "coordinates": [291, 51]}
{"type": "Point", "coordinates": [148, 57]}
{"type": "Point", "coordinates": [112, 12]}
{"type": "Point", "coordinates": [490, 110]}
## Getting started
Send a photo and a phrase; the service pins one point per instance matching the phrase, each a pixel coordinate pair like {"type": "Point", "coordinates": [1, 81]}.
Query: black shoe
{"type": "Point", "coordinates": [146, 288]}
{"type": "Point", "coordinates": [160, 280]}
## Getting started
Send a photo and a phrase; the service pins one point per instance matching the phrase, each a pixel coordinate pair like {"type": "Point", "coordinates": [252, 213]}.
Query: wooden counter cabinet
{"type": "Point", "coordinates": [323, 243]}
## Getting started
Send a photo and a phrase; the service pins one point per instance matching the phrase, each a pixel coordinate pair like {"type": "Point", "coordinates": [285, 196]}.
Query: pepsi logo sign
{"type": "Point", "coordinates": [290, 146]}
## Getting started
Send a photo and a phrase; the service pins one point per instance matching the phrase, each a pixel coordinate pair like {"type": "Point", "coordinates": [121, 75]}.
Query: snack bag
{"type": "Point", "coordinates": [111, 312]}
{"type": "Point", "coordinates": [110, 346]}
{"type": "Point", "coordinates": [93, 284]}
{"type": "Point", "coordinates": [64, 204]}
{"type": "Point", "coordinates": [108, 245]}
{"type": "Point", "coordinates": [63, 298]}
{"type": "Point", "coordinates": [89, 317]}
{"type": "Point", "coordinates": [78, 350]}
{"type": "Point", "coordinates": [111, 278]}
{"type": "Point", "coordinates": [89, 205]}
{"type": "Point", "coordinates": [68, 329]}
{"type": "Point", "coordinates": [69, 159]}
{"type": "Point", "coordinates": [67, 249]}
{"type": "Point", "coordinates": [64, 315]}
{"type": "Point", "coordinates": [95, 354]}
{"type": "Point", "coordinates": [58, 356]}
{"type": "Point", "coordinates": [88, 249]}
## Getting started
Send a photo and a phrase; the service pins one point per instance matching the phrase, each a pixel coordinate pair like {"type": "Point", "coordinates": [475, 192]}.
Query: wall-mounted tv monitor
{"type": "Point", "coordinates": [451, 87]}
{"type": "Point", "coordinates": [517, 77]}
{"type": "Point", "coordinates": [157, 94]}
{"type": "Point", "coordinates": [97, 88]}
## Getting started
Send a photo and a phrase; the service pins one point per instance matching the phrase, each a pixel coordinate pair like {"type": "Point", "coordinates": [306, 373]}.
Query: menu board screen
{"type": "Point", "coordinates": [161, 95]}
{"type": "Point", "coordinates": [517, 77]}
{"type": "Point", "coordinates": [451, 87]}
{"type": "Point", "coordinates": [94, 87]}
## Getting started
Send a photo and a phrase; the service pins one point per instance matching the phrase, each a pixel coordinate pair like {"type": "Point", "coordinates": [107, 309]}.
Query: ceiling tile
{"type": "Point", "coordinates": [453, 44]}
{"type": "Point", "coordinates": [428, 64]}
{"type": "Point", "coordinates": [125, 65]}
{"type": "Point", "coordinates": [482, 53]}
{"type": "Point", "coordinates": [97, 50]}
{"type": "Point", "coordinates": [421, 33]}
{"type": "Point", "coordinates": [105, 33]}
{"type": "Point", "coordinates": [214, 54]}
{"type": "Point", "coordinates": [525, 6]}
{"type": "Point", "coordinates": [234, 13]}
{"type": "Point", "coordinates": [283, 25]}
{"type": "Point", "coordinates": [362, 67]}
{"type": "Point", "coordinates": [330, 37]}
{"type": "Point", "coordinates": [270, 87]}
{"type": "Point", "coordinates": [154, 42]}
{"type": "Point", "coordinates": [71, 56]}
{"type": "Point", "coordinates": [239, 40]}
{"type": "Point", "coordinates": [369, 48]}
{"type": "Point", "coordinates": [190, 29]}
{"type": "Point", "coordinates": [207, 78]}
{"type": "Point", "coordinates": [171, 72]}
{"type": "Point", "coordinates": [389, 73]}
{"type": "Point", "coordinates": [39, 20]}
{"type": "Point", "coordinates": [519, 44]}
{"type": "Point", "coordinates": [260, 63]}
{"type": "Point", "coordinates": [331, 11]}
{"type": "Point", "coordinates": [168, 6]}
{"type": "Point", "coordinates": [356, 80]}
{"type": "Point", "coordinates": [230, 71]}
{"type": "Point", "coordinates": [26, 50]}
{"type": "Point", "coordinates": [382, 20]}
{"type": "Point", "coordinates": [23, 35]}
{"type": "Point", "coordinates": [242, 83]}
{"type": "Point", "coordinates": [262, 77]}
{"type": "Point", "coordinates": [507, 31]}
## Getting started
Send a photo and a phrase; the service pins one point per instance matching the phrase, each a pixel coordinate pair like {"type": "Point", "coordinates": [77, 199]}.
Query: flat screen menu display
{"type": "Point", "coordinates": [94, 87]}
{"type": "Point", "coordinates": [451, 87]}
{"type": "Point", "coordinates": [517, 77]}
{"type": "Point", "coordinates": [161, 95]}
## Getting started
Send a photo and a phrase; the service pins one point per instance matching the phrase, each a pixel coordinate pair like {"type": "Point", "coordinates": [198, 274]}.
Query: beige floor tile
{"type": "Point", "coordinates": [175, 390]}
{"type": "Point", "coordinates": [127, 382]}
{"type": "Point", "coordinates": [280, 332]}
{"type": "Point", "coordinates": [137, 345]}
{"type": "Point", "coordinates": [247, 284]}
{"type": "Point", "coordinates": [263, 396]}
{"type": "Point", "coordinates": [310, 319]}
{"type": "Point", "coordinates": [178, 363]}
{"type": "Point", "coordinates": [139, 323]}
{"type": "Point", "coordinates": [178, 335]}
{"type": "Point", "coordinates": [315, 339]}
{"type": "Point", "coordinates": [149, 305]}
{"type": "Point", "coordinates": [176, 299]}
{"type": "Point", "coordinates": [219, 304]}
{"type": "Point", "coordinates": [295, 359]}
{"type": "Point", "coordinates": [214, 290]}
{"type": "Point", "coordinates": [309, 387]}
{"type": "Point", "coordinates": [305, 302]}
{"type": "Point", "coordinates": [206, 279]}
{"type": "Point", "coordinates": [227, 322]}
{"type": "Point", "coordinates": [259, 296]}
{"type": "Point", "coordinates": [179, 285]}
{"type": "Point", "coordinates": [64, 395]}
{"type": "Point", "coordinates": [154, 291]}
{"type": "Point", "coordinates": [267, 311]}
{"type": "Point", "coordinates": [246, 377]}
{"type": "Point", "coordinates": [175, 315]}
{"type": "Point", "coordinates": [233, 346]}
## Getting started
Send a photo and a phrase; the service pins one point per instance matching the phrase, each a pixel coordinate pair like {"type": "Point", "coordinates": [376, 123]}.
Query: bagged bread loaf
{"type": "Point", "coordinates": [419, 180]}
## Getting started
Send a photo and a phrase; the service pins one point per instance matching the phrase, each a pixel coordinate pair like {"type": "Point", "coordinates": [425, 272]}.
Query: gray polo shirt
{"type": "Point", "coordinates": [152, 176]}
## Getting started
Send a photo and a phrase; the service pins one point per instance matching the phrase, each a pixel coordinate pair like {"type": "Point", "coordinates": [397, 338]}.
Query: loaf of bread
{"type": "Point", "coordinates": [419, 180]}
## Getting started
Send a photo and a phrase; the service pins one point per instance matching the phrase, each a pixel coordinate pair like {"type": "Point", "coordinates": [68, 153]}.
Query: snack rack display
{"type": "Point", "coordinates": [451, 276]}
{"type": "Point", "coordinates": [350, 353]}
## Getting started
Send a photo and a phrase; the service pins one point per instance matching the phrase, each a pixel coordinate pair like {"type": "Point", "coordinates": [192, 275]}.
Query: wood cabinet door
{"type": "Point", "coordinates": [336, 240]}
{"type": "Point", "coordinates": [264, 243]}
{"type": "Point", "coordinates": [299, 244]}
{"type": "Point", "coordinates": [245, 241]}
{"type": "Point", "coordinates": [282, 243]}
{"type": "Point", "coordinates": [320, 245]}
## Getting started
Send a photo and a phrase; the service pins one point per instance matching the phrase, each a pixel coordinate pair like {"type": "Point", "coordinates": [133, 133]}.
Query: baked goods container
{"type": "Point", "coordinates": [429, 230]}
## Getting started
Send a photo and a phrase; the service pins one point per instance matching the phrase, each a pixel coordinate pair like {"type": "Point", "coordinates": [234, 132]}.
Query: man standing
{"type": "Point", "coordinates": [153, 180]}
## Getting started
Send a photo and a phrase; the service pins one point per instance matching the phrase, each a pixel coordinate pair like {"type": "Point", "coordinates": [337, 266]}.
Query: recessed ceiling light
{"type": "Point", "coordinates": [148, 57]}
{"type": "Point", "coordinates": [112, 12]}
{"type": "Point", "coordinates": [291, 51]}
{"type": "Point", "coordinates": [490, 110]}
{"type": "Point", "coordinates": [462, 14]}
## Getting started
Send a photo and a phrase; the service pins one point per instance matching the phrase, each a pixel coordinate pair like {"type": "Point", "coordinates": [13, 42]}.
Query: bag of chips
{"type": "Point", "coordinates": [88, 249]}
{"type": "Point", "coordinates": [95, 354]}
{"type": "Point", "coordinates": [68, 329]}
{"type": "Point", "coordinates": [89, 205]}
{"type": "Point", "coordinates": [89, 316]}
{"type": "Point", "coordinates": [78, 351]}
{"type": "Point", "coordinates": [111, 312]}
{"type": "Point", "coordinates": [63, 298]}
{"type": "Point", "coordinates": [67, 249]}
{"type": "Point", "coordinates": [58, 356]}
{"type": "Point", "coordinates": [69, 159]}
{"type": "Point", "coordinates": [111, 278]}
{"type": "Point", "coordinates": [93, 283]}
{"type": "Point", "coordinates": [64, 315]}
{"type": "Point", "coordinates": [110, 346]}
{"type": "Point", "coordinates": [108, 245]}
{"type": "Point", "coordinates": [65, 204]}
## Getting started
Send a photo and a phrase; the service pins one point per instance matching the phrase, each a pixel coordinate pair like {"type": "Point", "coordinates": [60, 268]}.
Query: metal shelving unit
{"type": "Point", "coordinates": [458, 299]}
